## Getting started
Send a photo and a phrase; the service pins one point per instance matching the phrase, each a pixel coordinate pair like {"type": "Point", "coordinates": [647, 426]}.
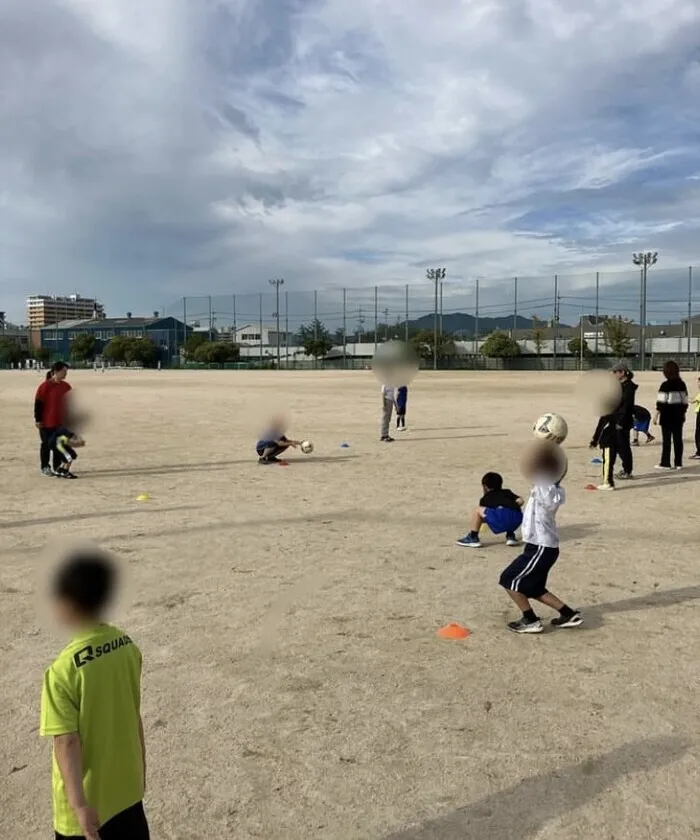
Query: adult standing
{"type": "Point", "coordinates": [671, 410]}
{"type": "Point", "coordinates": [49, 413]}
{"type": "Point", "coordinates": [613, 431]}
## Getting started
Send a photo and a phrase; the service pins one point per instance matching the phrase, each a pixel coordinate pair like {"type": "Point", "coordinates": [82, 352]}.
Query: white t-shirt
{"type": "Point", "coordinates": [539, 516]}
{"type": "Point", "coordinates": [388, 392]}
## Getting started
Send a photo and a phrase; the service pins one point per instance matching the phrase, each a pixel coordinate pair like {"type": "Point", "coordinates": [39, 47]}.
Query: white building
{"type": "Point", "coordinates": [249, 335]}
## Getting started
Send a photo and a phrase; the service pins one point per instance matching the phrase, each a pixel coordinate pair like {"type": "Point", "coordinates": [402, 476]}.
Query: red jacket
{"type": "Point", "coordinates": [49, 403]}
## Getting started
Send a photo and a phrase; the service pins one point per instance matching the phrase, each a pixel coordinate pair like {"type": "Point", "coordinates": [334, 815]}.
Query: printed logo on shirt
{"type": "Point", "coordinates": [89, 653]}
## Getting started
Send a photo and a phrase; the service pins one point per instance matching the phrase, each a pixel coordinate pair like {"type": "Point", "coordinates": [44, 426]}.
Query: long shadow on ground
{"type": "Point", "coordinates": [521, 811]}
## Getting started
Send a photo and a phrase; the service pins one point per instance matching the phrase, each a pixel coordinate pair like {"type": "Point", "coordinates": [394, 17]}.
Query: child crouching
{"type": "Point", "coordinates": [499, 508]}
{"type": "Point", "coordinates": [526, 577]}
{"type": "Point", "coordinates": [64, 443]}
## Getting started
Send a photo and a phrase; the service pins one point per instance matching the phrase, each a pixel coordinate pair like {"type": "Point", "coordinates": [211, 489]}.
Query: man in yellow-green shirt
{"type": "Point", "coordinates": [91, 707]}
{"type": "Point", "coordinates": [696, 405]}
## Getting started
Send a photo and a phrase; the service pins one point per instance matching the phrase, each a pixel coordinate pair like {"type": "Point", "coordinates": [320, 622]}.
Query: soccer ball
{"type": "Point", "coordinates": [551, 427]}
{"type": "Point", "coordinates": [395, 363]}
{"type": "Point", "coordinates": [306, 447]}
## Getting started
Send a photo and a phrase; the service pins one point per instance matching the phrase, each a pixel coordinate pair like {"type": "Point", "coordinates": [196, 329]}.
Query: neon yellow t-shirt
{"type": "Point", "coordinates": [696, 403]}
{"type": "Point", "coordinates": [94, 688]}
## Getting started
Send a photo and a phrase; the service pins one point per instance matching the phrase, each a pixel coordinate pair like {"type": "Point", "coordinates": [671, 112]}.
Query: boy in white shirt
{"type": "Point", "coordinates": [526, 577]}
{"type": "Point", "coordinates": [388, 403]}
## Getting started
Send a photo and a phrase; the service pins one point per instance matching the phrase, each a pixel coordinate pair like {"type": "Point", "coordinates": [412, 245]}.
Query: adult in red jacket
{"type": "Point", "coordinates": [49, 412]}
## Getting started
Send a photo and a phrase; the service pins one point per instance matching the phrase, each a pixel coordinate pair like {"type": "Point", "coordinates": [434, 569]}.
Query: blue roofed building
{"type": "Point", "coordinates": [168, 334]}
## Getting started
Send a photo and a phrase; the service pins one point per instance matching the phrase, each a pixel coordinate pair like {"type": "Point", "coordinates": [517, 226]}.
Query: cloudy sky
{"type": "Point", "coordinates": [150, 150]}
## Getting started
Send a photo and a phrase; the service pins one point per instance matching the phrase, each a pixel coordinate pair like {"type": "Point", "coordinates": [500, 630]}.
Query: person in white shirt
{"type": "Point", "coordinates": [526, 577]}
{"type": "Point", "coordinates": [388, 404]}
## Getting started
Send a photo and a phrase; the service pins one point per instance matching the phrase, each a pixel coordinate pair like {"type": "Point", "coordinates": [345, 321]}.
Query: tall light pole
{"type": "Point", "coordinates": [436, 276]}
{"type": "Point", "coordinates": [277, 282]}
{"type": "Point", "coordinates": [644, 261]}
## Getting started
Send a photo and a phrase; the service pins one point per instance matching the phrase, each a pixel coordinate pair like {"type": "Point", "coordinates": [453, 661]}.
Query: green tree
{"type": "Point", "coordinates": [11, 352]}
{"type": "Point", "coordinates": [315, 339]}
{"type": "Point", "coordinates": [117, 349]}
{"type": "Point", "coordinates": [499, 345]}
{"type": "Point", "coordinates": [192, 342]}
{"type": "Point", "coordinates": [42, 354]}
{"type": "Point", "coordinates": [83, 347]}
{"type": "Point", "coordinates": [537, 334]}
{"type": "Point", "coordinates": [141, 351]}
{"type": "Point", "coordinates": [575, 347]}
{"type": "Point", "coordinates": [424, 341]}
{"type": "Point", "coordinates": [616, 332]}
{"type": "Point", "coordinates": [216, 353]}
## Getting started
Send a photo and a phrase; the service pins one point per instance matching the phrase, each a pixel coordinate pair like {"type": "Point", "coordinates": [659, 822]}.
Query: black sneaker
{"type": "Point", "coordinates": [511, 539]}
{"type": "Point", "coordinates": [47, 471]}
{"type": "Point", "coordinates": [635, 443]}
{"type": "Point", "coordinates": [387, 439]}
{"type": "Point", "coordinates": [524, 626]}
{"type": "Point", "coordinates": [572, 621]}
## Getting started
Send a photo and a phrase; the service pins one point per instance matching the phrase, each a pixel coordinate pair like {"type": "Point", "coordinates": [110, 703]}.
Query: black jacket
{"type": "Point", "coordinates": [621, 419]}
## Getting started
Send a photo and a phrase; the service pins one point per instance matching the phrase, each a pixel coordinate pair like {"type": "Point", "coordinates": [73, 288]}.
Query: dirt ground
{"type": "Point", "coordinates": [294, 686]}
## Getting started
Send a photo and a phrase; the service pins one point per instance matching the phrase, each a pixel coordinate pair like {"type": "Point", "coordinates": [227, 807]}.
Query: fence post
{"type": "Point", "coordinates": [376, 316]}
{"type": "Point", "coordinates": [260, 299]}
{"type": "Point", "coordinates": [234, 319]}
{"type": "Point", "coordinates": [515, 307]}
{"type": "Point", "coordinates": [286, 329]}
{"type": "Point", "coordinates": [597, 311]}
{"type": "Point", "coordinates": [345, 329]}
{"type": "Point", "coordinates": [690, 305]}
{"type": "Point", "coordinates": [476, 320]}
{"type": "Point", "coordinates": [315, 315]}
{"type": "Point", "coordinates": [555, 320]}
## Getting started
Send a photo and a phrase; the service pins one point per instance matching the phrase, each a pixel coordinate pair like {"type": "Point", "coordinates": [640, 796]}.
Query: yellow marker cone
{"type": "Point", "coordinates": [144, 497]}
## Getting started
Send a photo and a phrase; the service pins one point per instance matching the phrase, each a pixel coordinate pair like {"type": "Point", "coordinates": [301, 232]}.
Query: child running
{"type": "Point", "coordinates": [642, 421]}
{"type": "Point", "coordinates": [274, 442]}
{"type": "Point", "coordinates": [91, 708]}
{"type": "Point", "coordinates": [401, 400]}
{"type": "Point", "coordinates": [526, 577]}
{"type": "Point", "coordinates": [499, 508]}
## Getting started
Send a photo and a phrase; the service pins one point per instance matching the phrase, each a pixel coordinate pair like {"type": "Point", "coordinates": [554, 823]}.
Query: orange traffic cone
{"type": "Point", "coordinates": [453, 631]}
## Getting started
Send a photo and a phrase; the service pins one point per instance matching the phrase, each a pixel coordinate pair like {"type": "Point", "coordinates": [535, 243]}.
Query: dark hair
{"type": "Point", "coordinates": [492, 480]}
{"type": "Point", "coordinates": [55, 368]}
{"type": "Point", "coordinates": [548, 460]}
{"type": "Point", "coordinates": [86, 581]}
{"type": "Point", "coordinates": [49, 374]}
{"type": "Point", "coordinates": [671, 370]}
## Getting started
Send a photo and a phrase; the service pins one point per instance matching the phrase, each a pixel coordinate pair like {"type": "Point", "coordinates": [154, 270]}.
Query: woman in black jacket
{"type": "Point", "coordinates": [671, 408]}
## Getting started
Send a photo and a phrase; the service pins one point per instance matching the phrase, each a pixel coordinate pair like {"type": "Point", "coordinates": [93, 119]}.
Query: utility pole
{"type": "Point", "coordinates": [277, 282]}
{"type": "Point", "coordinates": [386, 323]}
{"type": "Point", "coordinates": [436, 276]}
{"type": "Point", "coordinates": [476, 319]}
{"type": "Point", "coordinates": [644, 261]}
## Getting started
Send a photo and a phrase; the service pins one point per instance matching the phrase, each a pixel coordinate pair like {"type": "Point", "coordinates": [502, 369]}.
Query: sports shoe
{"type": "Point", "coordinates": [662, 467]}
{"type": "Point", "coordinates": [387, 439]}
{"type": "Point", "coordinates": [695, 457]}
{"type": "Point", "coordinates": [512, 540]}
{"type": "Point", "coordinates": [467, 541]}
{"type": "Point", "coordinates": [651, 439]}
{"type": "Point", "coordinates": [572, 621]}
{"type": "Point", "coordinates": [605, 487]}
{"type": "Point", "coordinates": [635, 443]}
{"type": "Point", "coordinates": [46, 471]}
{"type": "Point", "coordinates": [678, 468]}
{"type": "Point", "coordinates": [523, 626]}
{"type": "Point", "coordinates": [625, 476]}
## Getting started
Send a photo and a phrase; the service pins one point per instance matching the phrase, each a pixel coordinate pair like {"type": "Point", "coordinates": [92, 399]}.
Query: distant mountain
{"type": "Point", "coordinates": [460, 323]}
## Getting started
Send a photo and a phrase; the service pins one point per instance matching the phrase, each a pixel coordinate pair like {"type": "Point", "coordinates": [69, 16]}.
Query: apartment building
{"type": "Point", "coordinates": [43, 310]}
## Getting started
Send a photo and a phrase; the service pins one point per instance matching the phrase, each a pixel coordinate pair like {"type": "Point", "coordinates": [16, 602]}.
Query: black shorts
{"type": "Point", "coordinates": [528, 573]}
{"type": "Point", "coordinates": [127, 825]}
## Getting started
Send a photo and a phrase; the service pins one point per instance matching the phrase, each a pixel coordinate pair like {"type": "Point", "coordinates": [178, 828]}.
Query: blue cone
{"type": "Point", "coordinates": [596, 461]}
{"type": "Point", "coordinates": [345, 446]}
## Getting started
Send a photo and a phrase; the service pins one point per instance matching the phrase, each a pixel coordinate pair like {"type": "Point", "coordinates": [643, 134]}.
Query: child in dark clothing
{"type": "Point", "coordinates": [273, 442]}
{"type": "Point", "coordinates": [642, 421]}
{"type": "Point", "coordinates": [499, 508]}
{"type": "Point", "coordinates": [64, 443]}
{"type": "Point", "coordinates": [401, 400]}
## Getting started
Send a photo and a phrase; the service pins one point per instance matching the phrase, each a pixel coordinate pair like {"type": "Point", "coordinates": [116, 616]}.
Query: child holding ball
{"type": "Point", "coordinates": [273, 442]}
{"type": "Point", "coordinates": [499, 508]}
{"type": "Point", "coordinates": [525, 579]}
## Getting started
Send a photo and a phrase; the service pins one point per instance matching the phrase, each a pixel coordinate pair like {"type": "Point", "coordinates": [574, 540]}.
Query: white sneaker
{"type": "Point", "coordinates": [605, 487]}
{"type": "Point", "coordinates": [661, 467]}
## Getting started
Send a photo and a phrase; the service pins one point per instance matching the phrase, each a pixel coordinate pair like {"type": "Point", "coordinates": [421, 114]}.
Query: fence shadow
{"type": "Point", "coordinates": [523, 810]}
{"type": "Point", "coordinates": [594, 616]}
{"type": "Point", "coordinates": [83, 517]}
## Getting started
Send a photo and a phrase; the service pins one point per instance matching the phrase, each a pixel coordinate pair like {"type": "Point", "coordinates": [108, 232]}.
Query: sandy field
{"type": "Point", "coordinates": [294, 686]}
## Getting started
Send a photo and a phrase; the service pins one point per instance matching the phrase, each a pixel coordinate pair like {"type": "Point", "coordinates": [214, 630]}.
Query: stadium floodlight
{"type": "Point", "coordinates": [644, 260]}
{"type": "Point", "coordinates": [277, 282]}
{"type": "Point", "coordinates": [436, 276]}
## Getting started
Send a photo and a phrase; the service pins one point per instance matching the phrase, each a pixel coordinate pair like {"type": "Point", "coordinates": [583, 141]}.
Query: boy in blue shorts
{"type": "Point", "coordinates": [642, 421]}
{"type": "Point", "coordinates": [401, 400]}
{"type": "Point", "coordinates": [499, 508]}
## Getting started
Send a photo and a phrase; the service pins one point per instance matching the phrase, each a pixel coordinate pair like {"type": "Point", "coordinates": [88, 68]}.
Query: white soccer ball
{"type": "Point", "coordinates": [306, 447]}
{"type": "Point", "coordinates": [551, 427]}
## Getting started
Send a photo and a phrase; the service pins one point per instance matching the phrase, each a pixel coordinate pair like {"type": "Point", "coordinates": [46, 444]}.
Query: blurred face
{"type": "Point", "coordinates": [620, 375]}
{"type": "Point", "coordinates": [60, 375]}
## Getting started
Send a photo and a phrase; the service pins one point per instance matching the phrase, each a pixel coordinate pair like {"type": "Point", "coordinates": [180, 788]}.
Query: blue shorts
{"type": "Point", "coordinates": [503, 520]}
{"type": "Point", "coordinates": [528, 573]}
{"type": "Point", "coordinates": [642, 426]}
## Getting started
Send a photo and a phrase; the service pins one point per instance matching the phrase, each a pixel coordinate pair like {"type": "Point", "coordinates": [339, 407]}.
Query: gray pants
{"type": "Point", "coordinates": [387, 412]}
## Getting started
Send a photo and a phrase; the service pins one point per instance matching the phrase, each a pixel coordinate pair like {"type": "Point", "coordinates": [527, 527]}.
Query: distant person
{"type": "Point", "coordinates": [642, 421]}
{"type": "Point", "coordinates": [50, 412]}
{"type": "Point", "coordinates": [388, 405]}
{"type": "Point", "coordinates": [401, 402]}
{"type": "Point", "coordinates": [91, 708]}
{"type": "Point", "coordinates": [499, 508]}
{"type": "Point", "coordinates": [696, 406]}
{"type": "Point", "coordinates": [612, 433]}
{"type": "Point", "coordinates": [274, 442]}
{"type": "Point", "coordinates": [671, 410]}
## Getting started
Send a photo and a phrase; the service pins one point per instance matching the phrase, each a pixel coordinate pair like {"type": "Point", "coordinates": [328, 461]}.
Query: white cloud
{"type": "Point", "coordinates": [166, 147]}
